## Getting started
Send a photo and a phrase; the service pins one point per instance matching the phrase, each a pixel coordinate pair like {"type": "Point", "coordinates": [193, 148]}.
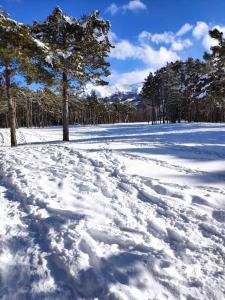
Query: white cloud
{"type": "Point", "coordinates": [124, 50]}
{"type": "Point", "coordinates": [168, 38]}
{"type": "Point", "coordinates": [184, 29]}
{"type": "Point", "coordinates": [133, 5]}
{"type": "Point", "coordinates": [113, 9]}
{"type": "Point", "coordinates": [130, 78]}
{"type": "Point", "coordinates": [144, 36]}
{"type": "Point", "coordinates": [158, 58]}
{"type": "Point", "coordinates": [157, 38]}
{"type": "Point", "coordinates": [120, 82]}
{"type": "Point", "coordinates": [150, 56]}
{"type": "Point", "coordinates": [102, 91]}
{"type": "Point", "coordinates": [200, 30]}
{"type": "Point", "coordinates": [180, 45]}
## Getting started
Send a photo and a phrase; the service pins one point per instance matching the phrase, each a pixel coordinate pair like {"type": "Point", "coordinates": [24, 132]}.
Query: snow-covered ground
{"type": "Point", "coordinates": [129, 211]}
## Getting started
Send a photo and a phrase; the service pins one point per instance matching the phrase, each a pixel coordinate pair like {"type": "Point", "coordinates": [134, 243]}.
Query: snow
{"type": "Point", "coordinates": [49, 59]}
{"type": "Point", "coordinates": [123, 211]}
{"type": "Point", "coordinates": [63, 54]}
{"type": "Point", "coordinates": [69, 20]}
{"type": "Point", "coordinates": [40, 44]}
{"type": "Point", "coordinates": [114, 89]}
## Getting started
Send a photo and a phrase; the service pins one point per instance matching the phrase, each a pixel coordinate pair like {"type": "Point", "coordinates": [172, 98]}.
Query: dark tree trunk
{"type": "Point", "coordinates": [11, 107]}
{"type": "Point", "coordinates": [28, 114]}
{"type": "Point", "coordinates": [65, 108]}
{"type": "Point", "coordinates": [153, 112]}
{"type": "Point", "coordinates": [163, 112]}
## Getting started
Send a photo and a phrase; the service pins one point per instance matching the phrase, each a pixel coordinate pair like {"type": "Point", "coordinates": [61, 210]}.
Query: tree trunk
{"type": "Point", "coordinates": [28, 114]}
{"type": "Point", "coordinates": [163, 112]}
{"type": "Point", "coordinates": [65, 108]}
{"type": "Point", "coordinates": [11, 107]}
{"type": "Point", "coordinates": [153, 112]}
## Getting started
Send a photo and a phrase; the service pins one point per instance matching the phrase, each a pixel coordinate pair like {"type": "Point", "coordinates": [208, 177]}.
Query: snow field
{"type": "Point", "coordinates": [124, 211]}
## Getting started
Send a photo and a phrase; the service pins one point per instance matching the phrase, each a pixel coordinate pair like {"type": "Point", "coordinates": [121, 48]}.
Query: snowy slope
{"type": "Point", "coordinates": [127, 211]}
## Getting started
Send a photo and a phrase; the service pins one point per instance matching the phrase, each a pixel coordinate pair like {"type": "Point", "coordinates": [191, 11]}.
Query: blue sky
{"type": "Point", "coordinates": [146, 33]}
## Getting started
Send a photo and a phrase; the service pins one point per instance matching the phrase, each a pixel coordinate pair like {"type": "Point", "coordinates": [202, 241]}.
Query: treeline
{"type": "Point", "coordinates": [193, 90]}
{"type": "Point", "coordinates": [40, 108]}
{"type": "Point", "coordinates": [63, 54]}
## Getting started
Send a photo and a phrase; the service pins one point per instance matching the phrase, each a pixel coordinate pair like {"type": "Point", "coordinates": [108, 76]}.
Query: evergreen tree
{"type": "Point", "coordinates": [93, 105]}
{"type": "Point", "coordinates": [76, 52]}
{"type": "Point", "coordinates": [148, 93]}
{"type": "Point", "coordinates": [19, 54]}
{"type": "Point", "coordinates": [215, 85]}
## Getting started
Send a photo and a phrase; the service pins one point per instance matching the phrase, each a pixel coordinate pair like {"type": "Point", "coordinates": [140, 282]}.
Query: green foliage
{"type": "Point", "coordinates": [75, 47]}
{"type": "Point", "coordinates": [192, 90]}
{"type": "Point", "coordinates": [219, 49]}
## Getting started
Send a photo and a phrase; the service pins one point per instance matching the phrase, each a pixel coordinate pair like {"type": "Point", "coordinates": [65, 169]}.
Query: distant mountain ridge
{"type": "Point", "coordinates": [126, 94]}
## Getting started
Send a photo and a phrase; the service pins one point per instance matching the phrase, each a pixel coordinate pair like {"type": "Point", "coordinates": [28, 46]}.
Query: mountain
{"type": "Point", "coordinates": [126, 94]}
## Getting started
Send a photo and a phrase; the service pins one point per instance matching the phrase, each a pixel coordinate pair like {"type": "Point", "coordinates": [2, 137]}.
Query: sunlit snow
{"type": "Point", "coordinates": [124, 211]}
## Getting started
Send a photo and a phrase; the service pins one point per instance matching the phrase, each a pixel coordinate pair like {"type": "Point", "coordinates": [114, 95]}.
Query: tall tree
{"type": "Point", "coordinates": [214, 86]}
{"type": "Point", "coordinates": [218, 50]}
{"type": "Point", "coordinates": [18, 55]}
{"type": "Point", "coordinates": [148, 93]}
{"type": "Point", "coordinates": [76, 52]}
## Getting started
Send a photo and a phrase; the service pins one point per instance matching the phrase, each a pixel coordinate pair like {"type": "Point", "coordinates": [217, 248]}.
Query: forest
{"type": "Point", "coordinates": [192, 90]}
{"type": "Point", "coordinates": [62, 54]}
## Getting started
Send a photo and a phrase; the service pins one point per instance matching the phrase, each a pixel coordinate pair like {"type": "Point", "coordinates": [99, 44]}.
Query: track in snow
{"type": "Point", "coordinates": [85, 227]}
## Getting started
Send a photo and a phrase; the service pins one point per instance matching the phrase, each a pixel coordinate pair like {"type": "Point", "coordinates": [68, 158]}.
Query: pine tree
{"type": "Point", "coordinates": [218, 50]}
{"type": "Point", "coordinates": [215, 85]}
{"type": "Point", "coordinates": [19, 53]}
{"type": "Point", "coordinates": [92, 103]}
{"type": "Point", "coordinates": [76, 52]}
{"type": "Point", "coordinates": [148, 94]}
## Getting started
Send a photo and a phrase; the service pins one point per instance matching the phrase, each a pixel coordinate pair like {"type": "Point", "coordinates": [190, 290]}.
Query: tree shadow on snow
{"type": "Point", "coordinates": [162, 139]}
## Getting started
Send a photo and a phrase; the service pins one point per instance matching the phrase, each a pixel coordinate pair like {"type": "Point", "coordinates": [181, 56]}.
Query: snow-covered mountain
{"type": "Point", "coordinates": [126, 94]}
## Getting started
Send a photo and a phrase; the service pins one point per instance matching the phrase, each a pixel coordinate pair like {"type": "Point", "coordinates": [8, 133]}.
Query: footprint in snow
{"type": "Point", "coordinates": [164, 264]}
{"type": "Point", "coordinates": [219, 215]}
{"type": "Point", "coordinates": [210, 231]}
{"type": "Point", "coordinates": [195, 283]}
{"type": "Point", "coordinates": [200, 201]}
